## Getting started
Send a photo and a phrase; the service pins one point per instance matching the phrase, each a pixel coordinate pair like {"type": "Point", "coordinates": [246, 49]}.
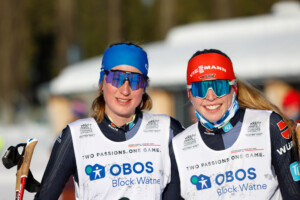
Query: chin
{"type": "Point", "coordinates": [215, 119]}
{"type": "Point", "coordinates": [126, 114]}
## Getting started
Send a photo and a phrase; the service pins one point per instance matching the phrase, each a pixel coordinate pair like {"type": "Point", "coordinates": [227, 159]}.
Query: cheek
{"type": "Point", "coordinates": [196, 101]}
{"type": "Point", "coordinates": [138, 94]}
{"type": "Point", "coordinates": [228, 100]}
{"type": "Point", "coordinates": [108, 90]}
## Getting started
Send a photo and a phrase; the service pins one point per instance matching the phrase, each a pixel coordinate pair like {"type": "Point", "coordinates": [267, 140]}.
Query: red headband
{"type": "Point", "coordinates": [209, 66]}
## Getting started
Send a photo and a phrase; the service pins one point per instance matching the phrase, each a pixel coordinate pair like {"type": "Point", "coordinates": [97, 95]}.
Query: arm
{"type": "Point", "coordinates": [172, 191]}
{"type": "Point", "coordinates": [175, 128]}
{"type": "Point", "coordinates": [60, 167]}
{"type": "Point", "coordinates": [282, 157]}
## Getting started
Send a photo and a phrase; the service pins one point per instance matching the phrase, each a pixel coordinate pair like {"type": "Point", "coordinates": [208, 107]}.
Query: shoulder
{"type": "Point", "coordinates": [176, 126]}
{"type": "Point", "coordinates": [64, 143]}
{"type": "Point", "coordinates": [276, 121]}
{"type": "Point", "coordinates": [275, 118]}
{"type": "Point", "coordinates": [258, 111]}
{"type": "Point", "coordinates": [82, 121]}
{"type": "Point", "coordinates": [65, 135]}
{"type": "Point", "coordinates": [147, 114]}
{"type": "Point", "coordinates": [192, 127]}
{"type": "Point", "coordinates": [279, 131]}
{"type": "Point", "coordinates": [257, 115]}
{"type": "Point", "coordinates": [188, 131]}
{"type": "Point", "coordinates": [157, 118]}
{"type": "Point", "coordinates": [279, 126]}
{"type": "Point", "coordinates": [174, 123]}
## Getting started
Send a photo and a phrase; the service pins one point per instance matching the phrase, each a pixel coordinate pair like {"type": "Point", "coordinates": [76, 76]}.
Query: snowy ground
{"type": "Point", "coordinates": [19, 133]}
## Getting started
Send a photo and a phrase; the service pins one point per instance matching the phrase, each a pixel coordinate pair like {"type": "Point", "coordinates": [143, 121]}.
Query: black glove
{"type": "Point", "coordinates": [32, 185]}
{"type": "Point", "coordinates": [11, 158]}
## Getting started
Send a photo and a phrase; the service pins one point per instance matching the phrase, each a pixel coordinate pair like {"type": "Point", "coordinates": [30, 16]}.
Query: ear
{"type": "Point", "coordinates": [235, 89]}
{"type": "Point", "coordinates": [235, 86]}
{"type": "Point", "coordinates": [101, 86]}
{"type": "Point", "coordinates": [189, 93]}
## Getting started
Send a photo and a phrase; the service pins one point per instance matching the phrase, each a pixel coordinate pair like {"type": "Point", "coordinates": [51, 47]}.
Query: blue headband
{"type": "Point", "coordinates": [124, 54]}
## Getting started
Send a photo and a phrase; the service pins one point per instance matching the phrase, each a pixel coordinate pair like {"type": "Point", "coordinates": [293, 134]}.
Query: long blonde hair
{"type": "Point", "coordinates": [250, 97]}
{"type": "Point", "coordinates": [98, 105]}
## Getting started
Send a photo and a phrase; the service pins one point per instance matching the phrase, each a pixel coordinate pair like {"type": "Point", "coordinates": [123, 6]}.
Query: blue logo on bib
{"type": "Point", "coordinates": [202, 182]}
{"type": "Point", "coordinates": [95, 172]}
{"type": "Point", "coordinates": [294, 167]}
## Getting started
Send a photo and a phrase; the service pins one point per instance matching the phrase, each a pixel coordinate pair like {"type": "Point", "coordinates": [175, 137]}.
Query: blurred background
{"type": "Point", "coordinates": [50, 58]}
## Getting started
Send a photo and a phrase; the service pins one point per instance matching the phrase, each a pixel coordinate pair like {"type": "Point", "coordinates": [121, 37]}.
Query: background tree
{"type": "Point", "coordinates": [115, 21]}
{"type": "Point", "coordinates": [13, 55]}
{"type": "Point", "coordinates": [66, 49]}
{"type": "Point", "coordinates": [39, 38]}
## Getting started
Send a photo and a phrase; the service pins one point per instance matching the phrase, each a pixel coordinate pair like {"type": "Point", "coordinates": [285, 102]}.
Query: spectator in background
{"type": "Point", "coordinates": [291, 105]}
{"type": "Point", "coordinates": [275, 90]}
{"type": "Point", "coordinates": [79, 109]}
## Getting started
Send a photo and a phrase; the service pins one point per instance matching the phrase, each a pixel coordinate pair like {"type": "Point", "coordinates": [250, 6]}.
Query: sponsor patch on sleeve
{"type": "Point", "coordinates": [285, 132]}
{"type": "Point", "coordinates": [295, 171]}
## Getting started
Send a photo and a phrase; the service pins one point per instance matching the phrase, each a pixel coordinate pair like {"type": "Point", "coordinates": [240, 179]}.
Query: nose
{"type": "Point", "coordinates": [125, 89]}
{"type": "Point", "coordinates": [210, 95]}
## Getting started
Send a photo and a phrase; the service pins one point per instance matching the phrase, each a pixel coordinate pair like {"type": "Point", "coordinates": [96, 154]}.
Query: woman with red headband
{"type": "Point", "coordinates": [122, 151]}
{"type": "Point", "coordinates": [241, 148]}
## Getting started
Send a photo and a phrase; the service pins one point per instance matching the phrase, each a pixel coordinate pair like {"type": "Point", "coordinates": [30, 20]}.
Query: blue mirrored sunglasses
{"type": "Point", "coordinates": [117, 79]}
{"type": "Point", "coordinates": [220, 87]}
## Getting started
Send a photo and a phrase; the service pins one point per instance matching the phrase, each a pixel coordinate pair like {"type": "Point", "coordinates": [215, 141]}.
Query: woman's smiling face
{"type": "Point", "coordinates": [122, 102]}
{"type": "Point", "coordinates": [212, 107]}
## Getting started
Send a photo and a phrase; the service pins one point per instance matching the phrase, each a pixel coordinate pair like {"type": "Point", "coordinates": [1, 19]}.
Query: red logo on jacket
{"type": "Point", "coordinates": [285, 132]}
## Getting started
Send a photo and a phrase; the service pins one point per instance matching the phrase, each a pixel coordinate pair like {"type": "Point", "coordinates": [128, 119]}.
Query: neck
{"type": "Point", "coordinates": [119, 120]}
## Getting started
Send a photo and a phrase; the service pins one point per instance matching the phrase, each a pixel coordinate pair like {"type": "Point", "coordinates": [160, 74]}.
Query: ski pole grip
{"type": "Point", "coordinates": [18, 178]}
{"type": "Point", "coordinates": [27, 156]}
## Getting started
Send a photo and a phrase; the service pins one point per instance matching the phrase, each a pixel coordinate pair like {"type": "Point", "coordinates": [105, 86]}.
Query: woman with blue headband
{"type": "Point", "coordinates": [242, 145]}
{"type": "Point", "coordinates": [122, 151]}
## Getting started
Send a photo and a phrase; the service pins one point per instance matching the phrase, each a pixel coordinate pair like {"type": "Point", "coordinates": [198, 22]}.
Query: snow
{"type": "Point", "coordinates": [20, 133]}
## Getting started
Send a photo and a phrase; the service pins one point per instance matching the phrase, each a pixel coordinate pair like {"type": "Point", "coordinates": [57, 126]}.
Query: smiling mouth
{"type": "Point", "coordinates": [123, 100]}
{"type": "Point", "coordinates": [213, 107]}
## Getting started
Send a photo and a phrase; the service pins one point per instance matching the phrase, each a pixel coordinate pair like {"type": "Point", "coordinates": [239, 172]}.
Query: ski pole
{"type": "Point", "coordinates": [18, 178]}
{"type": "Point", "coordinates": [23, 169]}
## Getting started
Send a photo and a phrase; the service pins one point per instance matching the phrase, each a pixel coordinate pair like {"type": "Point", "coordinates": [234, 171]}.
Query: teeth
{"type": "Point", "coordinates": [212, 107]}
{"type": "Point", "coordinates": [123, 100]}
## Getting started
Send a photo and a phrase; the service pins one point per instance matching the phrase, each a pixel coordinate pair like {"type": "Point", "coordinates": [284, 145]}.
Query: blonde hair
{"type": "Point", "coordinates": [98, 105]}
{"type": "Point", "coordinates": [250, 97]}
